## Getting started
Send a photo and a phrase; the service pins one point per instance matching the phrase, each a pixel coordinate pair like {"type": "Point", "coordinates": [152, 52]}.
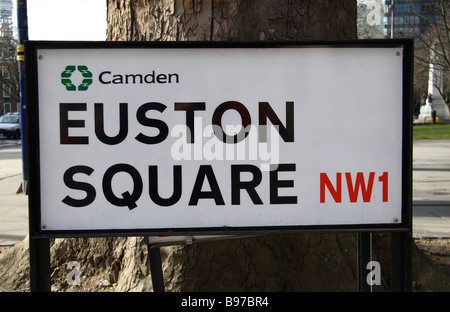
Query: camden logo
{"type": "Point", "coordinates": [67, 74]}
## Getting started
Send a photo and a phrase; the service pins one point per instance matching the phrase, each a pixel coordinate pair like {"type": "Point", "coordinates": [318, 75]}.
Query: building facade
{"type": "Point", "coordinates": [407, 18]}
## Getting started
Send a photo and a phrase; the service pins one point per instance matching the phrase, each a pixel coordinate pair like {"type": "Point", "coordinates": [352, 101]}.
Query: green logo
{"type": "Point", "coordinates": [67, 73]}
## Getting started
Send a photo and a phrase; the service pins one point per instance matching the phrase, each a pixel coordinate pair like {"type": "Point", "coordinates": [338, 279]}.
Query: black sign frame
{"type": "Point", "coordinates": [34, 157]}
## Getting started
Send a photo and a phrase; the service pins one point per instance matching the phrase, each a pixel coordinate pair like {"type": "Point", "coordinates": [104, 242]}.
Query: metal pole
{"type": "Point", "coordinates": [154, 256]}
{"type": "Point", "coordinates": [22, 22]}
{"type": "Point", "coordinates": [401, 262]}
{"type": "Point", "coordinates": [364, 257]}
{"type": "Point", "coordinates": [40, 280]}
{"type": "Point", "coordinates": [392, 7]}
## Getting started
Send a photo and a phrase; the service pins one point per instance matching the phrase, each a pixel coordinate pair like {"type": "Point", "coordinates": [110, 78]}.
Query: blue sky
{"type": "Point", "coordinates": [66, 19]}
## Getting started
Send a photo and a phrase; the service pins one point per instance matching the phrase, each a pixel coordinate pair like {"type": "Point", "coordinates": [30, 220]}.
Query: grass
{"type": "Point", "coordinates": [430, 132]}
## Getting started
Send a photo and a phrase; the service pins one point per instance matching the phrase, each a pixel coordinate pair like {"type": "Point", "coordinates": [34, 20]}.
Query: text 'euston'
{"type": "Point", "coordinates": [77, 177]}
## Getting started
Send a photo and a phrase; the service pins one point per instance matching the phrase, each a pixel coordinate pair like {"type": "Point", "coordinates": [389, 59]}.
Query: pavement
{"type": "Point", "coordinates": [13, 205]}
{"type": "Point", "coordinates": [431, 188]}
{"type": "Point", "coordinates": [431, 191]}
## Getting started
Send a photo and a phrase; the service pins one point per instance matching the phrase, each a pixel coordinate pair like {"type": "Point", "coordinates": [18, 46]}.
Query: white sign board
{"type": "Point", "coordinates": [174, 138]}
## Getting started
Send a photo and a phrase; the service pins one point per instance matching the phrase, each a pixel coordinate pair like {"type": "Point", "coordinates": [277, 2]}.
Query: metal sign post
{"type": "Point", "coordinates": [154, 256]}
{"type": "Point", "coordinates": [364, 251]}
{"type": "Point", "coordinates": [401, 262]}
{"type": "Point", "coordinates": [22, 22]}
{"type": "Point", "coordinates": [40, 280]}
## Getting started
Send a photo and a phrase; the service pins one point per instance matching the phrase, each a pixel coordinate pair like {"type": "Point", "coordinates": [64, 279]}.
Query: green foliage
{"type": "Point", "coordinates": [437, 131]}
{"type": "Point", "coordinates": [109, 289]}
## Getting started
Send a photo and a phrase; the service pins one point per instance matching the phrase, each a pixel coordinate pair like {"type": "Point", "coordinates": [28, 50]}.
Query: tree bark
{"type": "Point", "coordinates": [294, 262]}
{"type": "Point", "coordinates": [231, 20]}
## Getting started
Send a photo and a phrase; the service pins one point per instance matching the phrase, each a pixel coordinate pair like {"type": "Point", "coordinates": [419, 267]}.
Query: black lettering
{"type": "Point", "coordinates": [153, 189]}
{"type": "Point", "coordinates": [206, 171]}
{"type": "Point", "coordinates": [128, 199]}
{"type": "Point", "coordinates": [217, 121]}
{"type": "Point", "coordinates": [65, 123]}
{"type": "Point", "coordinates": [190, 108]}
{"type": "Point", "coordinates": [175, 76]}
{"type": "Point", "coordinates": [100, 127]}
{"type": "Point", "coordinates": [275, 184]}
{"type": "Point", "coordinates": [161, 78]}
{"type": "Point", "coordinates": [266, 112]}
{"type": "Point", "coordinates": [152, 75]}
{"type": "Point", "coordinates": [100, 77]}
{"type": "Point", "coordinates": [149, 122]}
{"type": "Point", "coordinates": [77, 185]}
{"type": "Point", "coordinates": [104, 78]}
{"type": "Point", "coordinates": [117, 79]}
{"type": "Point", "coordinates": [133, 76]}
{"type": "Point", "coordinates": [249, 186]}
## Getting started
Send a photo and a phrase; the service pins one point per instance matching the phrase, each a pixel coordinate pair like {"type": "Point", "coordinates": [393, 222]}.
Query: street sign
{"type": "Point", "coordinates": [219, 138]}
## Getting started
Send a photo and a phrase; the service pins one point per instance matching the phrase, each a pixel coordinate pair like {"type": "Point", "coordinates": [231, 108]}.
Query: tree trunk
{"type": "Point", "coordinates": [268, 263]}
{"type": "Point", "coordinates": [231, 20]}
{"type": "Point", "coordinates": [307, 262]}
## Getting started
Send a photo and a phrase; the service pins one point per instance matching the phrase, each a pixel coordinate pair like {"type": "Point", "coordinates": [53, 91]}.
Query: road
{"type": "Point", "coordinates": [431, 190]}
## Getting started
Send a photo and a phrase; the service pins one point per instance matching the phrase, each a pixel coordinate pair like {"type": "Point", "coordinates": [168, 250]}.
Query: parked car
{"type": "Point", "coordinates": [10, 125]}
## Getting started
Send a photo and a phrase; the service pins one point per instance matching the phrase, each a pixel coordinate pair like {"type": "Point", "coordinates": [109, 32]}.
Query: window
{"type": "Point", "coordinates": [7, 107]}
{"type": "Point", "coordinates": [5, 73]}
{"type": "Point", "coordinates": [6, 91]}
